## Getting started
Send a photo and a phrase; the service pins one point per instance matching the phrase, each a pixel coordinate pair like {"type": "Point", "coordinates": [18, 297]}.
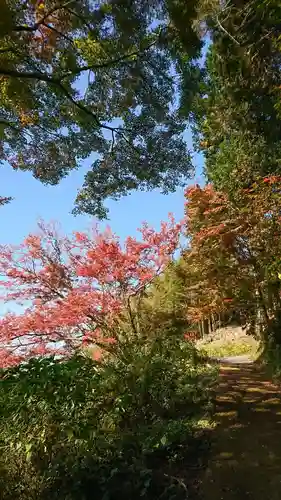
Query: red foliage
{"type": "Point", "coordinates": [231, 247]}
{"type": "Point", "coordinates": [191, 336]}
{"type": "Point", "coordinates": [273, 179]}
{"type": "Point", "coordinates": [74, 288]}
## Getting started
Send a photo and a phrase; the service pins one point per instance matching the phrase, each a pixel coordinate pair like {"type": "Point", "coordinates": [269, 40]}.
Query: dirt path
{"type": "Point", "coordinates": [245, 458]}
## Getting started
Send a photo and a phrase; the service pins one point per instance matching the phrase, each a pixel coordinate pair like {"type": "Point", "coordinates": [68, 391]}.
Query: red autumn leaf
{"type": "Point", "coordinates": [73, 289]}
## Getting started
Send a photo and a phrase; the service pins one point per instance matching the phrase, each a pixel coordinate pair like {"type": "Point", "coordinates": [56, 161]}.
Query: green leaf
{"type": "Point", "coordinates": [163, 440]}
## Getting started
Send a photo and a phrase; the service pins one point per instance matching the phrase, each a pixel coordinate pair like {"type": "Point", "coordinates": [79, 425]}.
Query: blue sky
{"type": "Point", "coordinates": [33, 200]}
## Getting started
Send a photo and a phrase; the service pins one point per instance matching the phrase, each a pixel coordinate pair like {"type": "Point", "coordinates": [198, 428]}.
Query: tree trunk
{"type": "Point", "coordinates": [209, 324]}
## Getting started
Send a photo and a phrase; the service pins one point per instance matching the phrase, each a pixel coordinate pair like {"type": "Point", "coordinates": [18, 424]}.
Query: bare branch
{"type": "Point", "coordinates": [82, 107]}
{"type": "Point", "coordinates": [226, 32]}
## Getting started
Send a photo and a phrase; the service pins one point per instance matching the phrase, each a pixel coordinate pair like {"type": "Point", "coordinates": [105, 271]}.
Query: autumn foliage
{"type": "Point", "coordinates": [235, 250]}
{"type": "Point", "coordinates": [76, 291]}
{"type": "Point", "coordinates": [70, 424]}
{"type": "Point", "coordinates": [73, 290]}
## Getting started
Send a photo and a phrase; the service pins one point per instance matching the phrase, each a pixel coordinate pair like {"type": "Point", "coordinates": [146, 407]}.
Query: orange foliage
{"type": "Point", "coordinates": [231, 251]}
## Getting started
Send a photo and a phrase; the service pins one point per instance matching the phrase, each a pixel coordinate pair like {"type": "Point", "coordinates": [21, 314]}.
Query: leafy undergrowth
{"type": "Point", "coordinates": [78, 428]}
{"type": "Point", "coordinates": [270, 359]}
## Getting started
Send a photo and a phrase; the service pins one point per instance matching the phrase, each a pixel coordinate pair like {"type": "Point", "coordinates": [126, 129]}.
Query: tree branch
{"type": "Point", "coordinates": [131, 316]}
{"type": "Point", "coordinates": [33, 75]}
{"type": "Point", "coordinates": [10, 125]}
{"type": "Point", "coordinates": [35, 26]}
{"type": "Point", "coordinates": [55, 81]}
{"type": "Point", "coordinates": [7, 49]}
{"type": "Point", "coordinates": [36, 75]}
{"type": "Point", "coordinates": [226, 32]}
{"type": "Point", "coordinates": [52, 28]}
{"type": "Point", "coordinates": [83, 108]}
{"type": "Point", "coordinates": [110, 62]}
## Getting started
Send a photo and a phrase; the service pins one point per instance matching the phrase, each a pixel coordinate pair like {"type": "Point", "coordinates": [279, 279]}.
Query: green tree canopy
{"type": "Point", "coordinates": [115, 78]}
{"type": "Point", "coordinates": [238, 120]}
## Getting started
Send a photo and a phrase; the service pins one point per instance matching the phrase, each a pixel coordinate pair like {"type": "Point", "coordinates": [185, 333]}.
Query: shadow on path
{"type": "Point", "coordinates": [245, 459]}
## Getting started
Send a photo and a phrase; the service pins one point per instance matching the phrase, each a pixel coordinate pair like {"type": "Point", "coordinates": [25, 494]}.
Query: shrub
{"type": "Point", "coordinates": [270, 356]}
{"type": "Point", "coordinates": [78, 429]}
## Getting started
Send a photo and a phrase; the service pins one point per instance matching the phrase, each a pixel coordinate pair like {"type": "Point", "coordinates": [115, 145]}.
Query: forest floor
{"type": "Point", "coordinates": [244, 461]}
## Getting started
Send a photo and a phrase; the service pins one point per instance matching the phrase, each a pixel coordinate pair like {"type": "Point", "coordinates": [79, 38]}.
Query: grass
{"type": "Point", "coordinates": [229, 348]}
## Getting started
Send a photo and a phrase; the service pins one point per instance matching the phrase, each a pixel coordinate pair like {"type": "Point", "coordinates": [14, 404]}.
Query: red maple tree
{"type": "Point", "coordinates": [74, 289]}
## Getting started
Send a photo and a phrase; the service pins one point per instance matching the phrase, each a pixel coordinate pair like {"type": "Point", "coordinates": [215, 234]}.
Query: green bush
{"type": "Point", "coordinates": [270, 356]}
{"type": "Point", "coordinates": [79, 429]}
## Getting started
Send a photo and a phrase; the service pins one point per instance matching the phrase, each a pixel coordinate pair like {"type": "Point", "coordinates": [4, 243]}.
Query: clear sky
{"type": "Point", "coordinates": [32, 201]}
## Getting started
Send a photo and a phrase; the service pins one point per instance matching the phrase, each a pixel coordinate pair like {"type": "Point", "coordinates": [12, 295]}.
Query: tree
{"type": "Point", "coordinates": [113, 78]}
{"type": "Point", "coordinates": [164, 303]}
{"type": "Point", "coordinates": [77, 290]}
{"type": "Point", "coordinates": [238, 115]}
{"type": "Point", "coordinates": [214, 273]}
{"type": "Point", "coordinates": [236, 251]}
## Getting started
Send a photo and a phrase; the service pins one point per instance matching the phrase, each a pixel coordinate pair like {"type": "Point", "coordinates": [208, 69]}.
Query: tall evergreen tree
{"type": "Point", "coordinates": [238, 125]}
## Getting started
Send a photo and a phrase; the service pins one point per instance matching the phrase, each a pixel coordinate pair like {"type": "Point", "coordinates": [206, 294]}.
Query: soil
{"type": "Point", "coordinates": [244, 462]}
